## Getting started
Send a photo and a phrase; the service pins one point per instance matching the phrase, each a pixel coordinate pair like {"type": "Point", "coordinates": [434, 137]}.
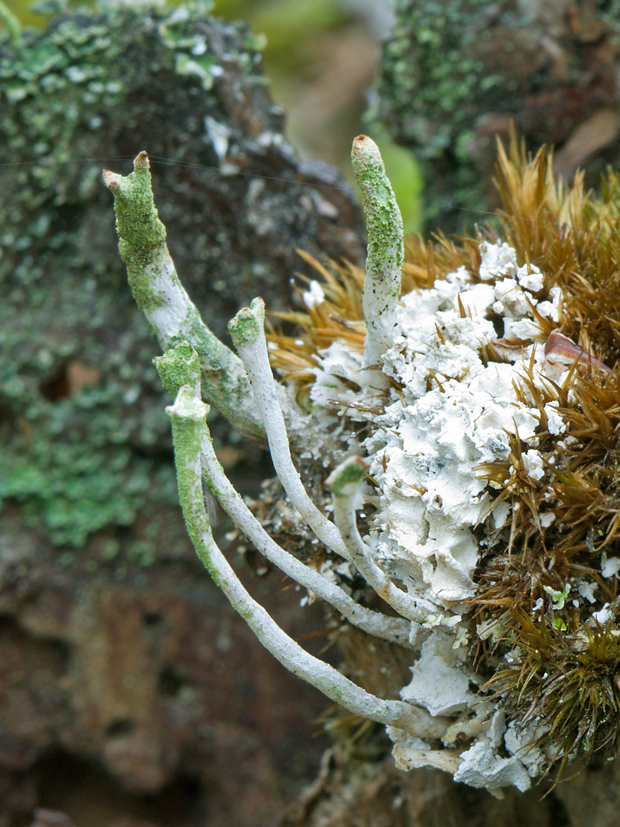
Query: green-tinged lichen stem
{"type": "Point", "coordinates": [171, 314]}
{"type": "Point", "coordinates": [188, 431]}
{"type": "Point", "coordinates": [396, 630]}
{"type": "Point", "coordinates": [248, 335]}
{"type": "Point", "coordinates": [344, 482]}
{"type": "Point", "coordinates": [385, 252]}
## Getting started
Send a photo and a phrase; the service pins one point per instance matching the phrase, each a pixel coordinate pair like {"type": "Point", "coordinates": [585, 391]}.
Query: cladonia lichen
{"type": "Point", "coordinates": [473, 490]}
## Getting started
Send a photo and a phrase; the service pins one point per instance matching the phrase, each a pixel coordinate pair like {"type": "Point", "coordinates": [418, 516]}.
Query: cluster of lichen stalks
{"type": "Point", "coordinates": [563, 673]}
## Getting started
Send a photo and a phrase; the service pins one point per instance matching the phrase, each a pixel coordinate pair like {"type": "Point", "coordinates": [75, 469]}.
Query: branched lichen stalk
{"type": "Point", "coordinates": [171, 314]}
{"type": "Point", "coordinates": [385, 252]}
{"type": "Point", "coordinates": [188, 432]}
{"type": "Point", "coordinates": [247, 331]}
{"type": "Point", "coordinates": [393, 629]}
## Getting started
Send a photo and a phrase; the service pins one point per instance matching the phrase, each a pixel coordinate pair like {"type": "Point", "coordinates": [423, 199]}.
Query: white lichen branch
{"type": "Point", "coordinates": [247, 331]}
{"type": "Point", "coordinates": [344, 483]}
{"type": "Point", "coordinates": [188, 431]}
{"type": "Point", "coordinates": [385, 253]}
{"type": "Point", "coordinates": [169, 311]}
{"type": "Point", "coordinates": [374, 623]}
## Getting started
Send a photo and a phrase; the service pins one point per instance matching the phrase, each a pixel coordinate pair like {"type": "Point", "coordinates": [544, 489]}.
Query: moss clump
{"type": "Point", "coordinates": [566, 684]}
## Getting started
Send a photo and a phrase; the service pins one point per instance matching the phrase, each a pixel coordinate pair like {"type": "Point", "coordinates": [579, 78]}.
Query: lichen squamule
{"type": "Point", "coordinates": [463, 433]}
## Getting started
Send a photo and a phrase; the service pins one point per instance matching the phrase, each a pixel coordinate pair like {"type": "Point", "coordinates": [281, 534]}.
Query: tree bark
{"type": "Point", "coordinates": [455, 74]}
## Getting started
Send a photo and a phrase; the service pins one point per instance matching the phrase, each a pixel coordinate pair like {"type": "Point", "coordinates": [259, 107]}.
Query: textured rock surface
{"type": "Point", "coordinates": [140, 691]}
{"type": "Point", "coordinates": [455, 73]}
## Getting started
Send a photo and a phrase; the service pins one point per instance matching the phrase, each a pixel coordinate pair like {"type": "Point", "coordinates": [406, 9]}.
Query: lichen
{"type": "Point", "coordinates": [248, 324]}
{"type": "Point", "coordinates": [384, 259]}
{"type": "Point", "coordinates": [457, 73]}
{"type": "Point", "coordinates": [139, 229]}
{"type": "Point", "coordinates": [167, 307]}
{"type": "Point", "coordinates": [428, 87]}
{"type": "Point", "coordinates": [81, 453]}
{"type": "Point", "coordinates": [178, 366]}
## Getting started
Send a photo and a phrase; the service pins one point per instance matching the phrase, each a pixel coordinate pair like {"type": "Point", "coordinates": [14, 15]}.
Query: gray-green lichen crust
{"type": "Point", "coordinates": [80, 402]}
{"type": "Point", "coordinates": [428, 87]}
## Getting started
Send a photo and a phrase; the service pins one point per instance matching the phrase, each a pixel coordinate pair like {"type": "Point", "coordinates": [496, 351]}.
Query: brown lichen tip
{"type": "Point", "coordinates": [112, 180]}
{"type": "Point", "coordinates": [141, 162]}
{"type": "Point", "coordinates": [364, 149]}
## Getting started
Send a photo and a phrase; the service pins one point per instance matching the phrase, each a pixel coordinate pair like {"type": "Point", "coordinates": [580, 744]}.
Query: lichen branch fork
{"type": "Point", "coordinates": [189, 431]}
{"type": "Point", "coordinates": [169, 311]}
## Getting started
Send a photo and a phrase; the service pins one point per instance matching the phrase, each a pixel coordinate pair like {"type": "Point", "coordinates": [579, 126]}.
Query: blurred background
{"type": "Point", "coordinates": [321, 59]}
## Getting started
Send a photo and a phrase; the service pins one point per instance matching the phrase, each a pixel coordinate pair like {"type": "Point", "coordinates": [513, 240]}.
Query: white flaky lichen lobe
{"type": "Point", "coordinates": [385, 252]}
{"type": "Point", "coordinates": [453, 414]}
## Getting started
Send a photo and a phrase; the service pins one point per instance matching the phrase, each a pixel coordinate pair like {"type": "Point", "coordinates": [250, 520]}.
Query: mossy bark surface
{"type": "Point", "coordinates": [455, 74]}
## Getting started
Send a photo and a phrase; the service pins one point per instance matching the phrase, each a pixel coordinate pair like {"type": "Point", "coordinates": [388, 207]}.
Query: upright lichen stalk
{"type": "Point", "coordinates": [385, 255]}
{"type": "Point", "coordinates": [171, 314]}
